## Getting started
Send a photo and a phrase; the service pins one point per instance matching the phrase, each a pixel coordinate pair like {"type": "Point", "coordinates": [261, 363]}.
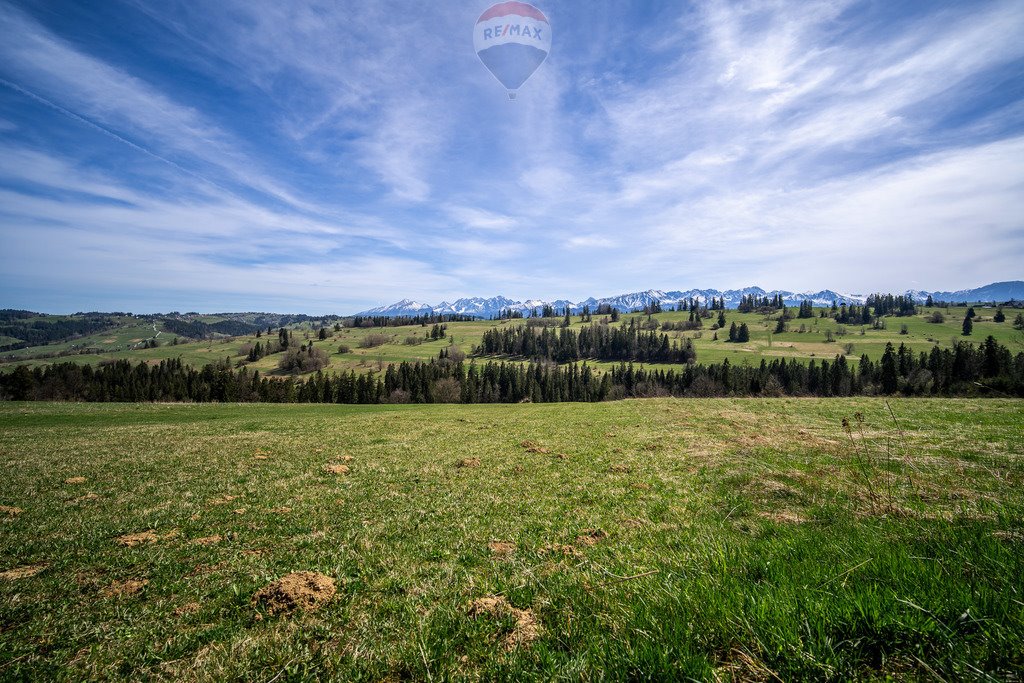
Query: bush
{"type": "Point", "coordinates": [372, 340]}
{"type": "Point", "coordinates": [447, 390]}
{"type": "Point", "coordinates": [413, 340]}
{"type": "Point", "coordinates": [936, 317]}
{"type": "Point", "coordinates": [303, 359]}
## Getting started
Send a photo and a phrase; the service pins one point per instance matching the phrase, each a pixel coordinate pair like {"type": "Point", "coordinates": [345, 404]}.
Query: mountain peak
{"type": "Point", "coordinates": [491, 307]}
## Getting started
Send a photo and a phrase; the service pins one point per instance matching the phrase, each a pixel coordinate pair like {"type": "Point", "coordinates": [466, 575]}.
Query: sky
{"type": "Point", "coordinates": [326, 157]}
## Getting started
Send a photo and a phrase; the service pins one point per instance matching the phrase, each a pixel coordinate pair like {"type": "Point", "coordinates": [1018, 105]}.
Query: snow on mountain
{"type": "Point", "coordinates": [493, 306]}
{"type": "Point", "coordinates": [403, 307]}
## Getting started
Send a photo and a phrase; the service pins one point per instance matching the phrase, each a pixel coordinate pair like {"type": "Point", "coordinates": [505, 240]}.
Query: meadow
{"type": "Point", "coordinates": [813, 342]}
{"type": "Point", "coordinates": [732, 539]}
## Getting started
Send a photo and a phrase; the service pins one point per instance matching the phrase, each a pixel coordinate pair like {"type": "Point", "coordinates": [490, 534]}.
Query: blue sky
{"type": "Point", "coordinates": [315, 157]}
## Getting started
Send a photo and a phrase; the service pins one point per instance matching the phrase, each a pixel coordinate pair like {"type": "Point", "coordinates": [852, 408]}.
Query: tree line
{"type": "Point", "coordinates": [626, 342]}
{"type": "Point", "coordinates": [988, 369]}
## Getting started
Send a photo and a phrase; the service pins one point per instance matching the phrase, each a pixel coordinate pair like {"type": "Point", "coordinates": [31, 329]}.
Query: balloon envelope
{"type": "Point", "coordinates": [512, 39]}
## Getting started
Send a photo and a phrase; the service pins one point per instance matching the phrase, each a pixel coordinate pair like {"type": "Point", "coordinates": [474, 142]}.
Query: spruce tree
{"type": "Point", "coordinates": [721, 318]}
{"type": "Point", "coordinates": [968, 325]}
{"type": "Point", "coordinates": [732, 332]}
{"type": "Point", "coordinates": [743, 335]}
{"type": "Point", "coordinates": [999, 317]}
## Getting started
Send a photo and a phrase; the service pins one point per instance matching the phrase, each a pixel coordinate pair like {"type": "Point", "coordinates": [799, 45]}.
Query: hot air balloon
{"type": "Point", "coordinates": [512, 39]}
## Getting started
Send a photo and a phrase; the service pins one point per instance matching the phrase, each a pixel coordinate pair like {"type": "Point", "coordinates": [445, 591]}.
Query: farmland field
{"type": "Point", "coordinates": [751, 539]}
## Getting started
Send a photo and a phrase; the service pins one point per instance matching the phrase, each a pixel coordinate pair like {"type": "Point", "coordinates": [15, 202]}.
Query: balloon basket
{"type": "Point", "coordinates": [511, 95]}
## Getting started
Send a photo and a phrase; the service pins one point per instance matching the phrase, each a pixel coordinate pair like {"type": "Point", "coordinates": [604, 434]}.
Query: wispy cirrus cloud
{"type": "Point", "coordinates": [701, 144]}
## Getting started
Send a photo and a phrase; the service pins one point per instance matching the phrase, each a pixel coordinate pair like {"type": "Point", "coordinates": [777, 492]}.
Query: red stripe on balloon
{"type": "Point", "coordinates": [518, 8]}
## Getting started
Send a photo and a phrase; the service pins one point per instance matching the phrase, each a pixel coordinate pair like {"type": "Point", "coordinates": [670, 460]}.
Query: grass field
{"type": "Point", "coordinates": [660, 539]}
{"type": "Point", "coordinates": [849, 340]}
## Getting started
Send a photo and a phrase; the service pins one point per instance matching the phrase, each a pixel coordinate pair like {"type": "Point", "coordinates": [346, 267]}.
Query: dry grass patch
{"type": "Point", "coordinates": [87, 498]}
{"type": "Point", "coordinates": [619, 468]}
{"type": "Point", "coordinates": [74, 480]}
{"type": "Point", "coordinates": [298, 590]}
{"type": "Point", "coordinates": [526, 627]}
{"type": "Point", "coordinates": [281, 510]}
{"type": "Point", "coordinates": [783, 517]}
{"type": "Point", "coordinates": [22, 572]}
{"type": "Point", "coordinates": [208, 540]}
{"type": "Point", "coordinates": [127, 588]}
{"type": "Point", "coordinates": [132, 540]}
{"type": "Point", "coordinates": [187, 608]}
{"type": "Point", "coordinates": [10, 511]}
{"type": "Point", "coordinates": [223, 500]}
{"type": "Point", "coordinates": [336, 468]}
{"type": "Point", "coordinates": [468, 462]}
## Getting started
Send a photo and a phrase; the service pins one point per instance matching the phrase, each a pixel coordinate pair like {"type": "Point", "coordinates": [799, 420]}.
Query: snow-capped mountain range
{"type": "Point", "coordinates": [491, 307]}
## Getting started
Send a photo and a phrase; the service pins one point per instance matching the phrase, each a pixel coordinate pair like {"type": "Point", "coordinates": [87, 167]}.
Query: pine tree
{"type": "Point", "coordinates": [999, 317]}
{"type": "Point", "coordinates": [968, 325]}
{"type": "Point", "coordinates": [732, 332]}
{"type": "Point", "coordinates": [889, 377]}
{"type": "Point", "coordinates": [929, 302]}
{"type": "Point", "coordinates": [721, 318]}
{"type": "Point", "coordinates": [743, 335]}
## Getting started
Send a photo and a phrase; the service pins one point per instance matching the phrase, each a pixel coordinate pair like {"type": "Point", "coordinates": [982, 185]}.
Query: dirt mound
{"type": "Point", "coordinates": [591, 537]}
{"type": "Point", "coordinates": [209, 540]}
{"type": "Point", "coordinates": [526, 629]}
{"type": "Point", "coordinates": [468, 462]}
{"type": "Point", "coordinates": [559, 549]}
{"type": "Point", "coordinates": [132, 540]}
{"type": "Point", "coordinates": [298, 590]}
{"type": "Point", "coordinates": [22, 572]}
{"type": "Point", "coordinates": [502, 548]}
{"type": "Point", "coordinates": [10, 511]}
{"type": "Point", "coordinates": [336, 468]}
{"type": "Point", "coordinates": [619, 468]}
{"type": "Point", "coordinates": [124, 588]}
{"type": "Point", "coordinates": [533, 447]}
{"type": "Point", "coordinates": [75, 480]}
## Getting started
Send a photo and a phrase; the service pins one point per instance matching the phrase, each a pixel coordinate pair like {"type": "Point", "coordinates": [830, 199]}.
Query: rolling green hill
{"type": "Point", "coordinates": [813, 338]}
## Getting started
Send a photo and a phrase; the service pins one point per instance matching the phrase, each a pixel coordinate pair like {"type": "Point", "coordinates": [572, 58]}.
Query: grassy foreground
{"type": "Point", "coordinates": [660, 539]}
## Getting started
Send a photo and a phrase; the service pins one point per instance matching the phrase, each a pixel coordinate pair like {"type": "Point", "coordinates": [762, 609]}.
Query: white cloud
{"type": "Point", "coordinates": [590, 242]}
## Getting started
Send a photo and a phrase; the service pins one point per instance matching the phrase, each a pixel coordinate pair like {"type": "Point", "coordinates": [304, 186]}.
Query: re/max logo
{"type": "Point", "coordinates": [512, 30]}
